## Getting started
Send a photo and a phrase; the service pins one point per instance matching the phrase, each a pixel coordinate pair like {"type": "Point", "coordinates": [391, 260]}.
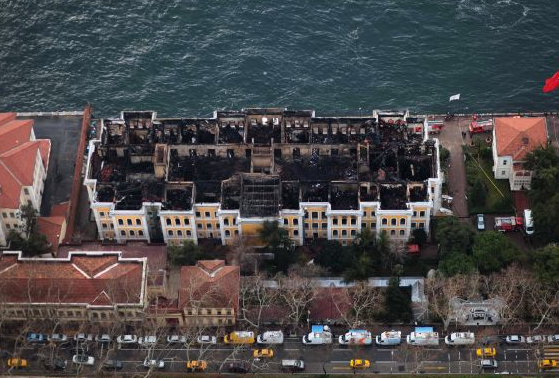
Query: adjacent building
{"type": "Point", "coordinates": [23, 170]}
{"type": "Point", "coordinates": [178, 179]}
{"type": "Point", "coordinates": [85, 286]}
{"type": "Point", "coordinates": [513, 139]}
{"type": "Point", "coordinates": [209, 293]}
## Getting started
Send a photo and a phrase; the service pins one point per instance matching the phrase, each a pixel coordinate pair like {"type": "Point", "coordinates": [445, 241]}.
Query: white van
{"type": "Point", "coordinates": [320, 334]}
{"type": "Point", "coordinates": [270, 337]}
{"type": "Point", "coordinates": [460, 338]}
{"type": "Point", "coordinates": [356, 337]}
{"type": "Point", "coordinates": [389, 338]}
{"type": "Point", "coordinates": [528, 222]}
{"type": "Point", "coordinates": [423, 336]}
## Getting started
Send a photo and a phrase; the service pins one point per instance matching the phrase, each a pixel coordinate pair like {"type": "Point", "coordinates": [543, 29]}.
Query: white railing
{"type": "Point", "coordinates": [74, 113]}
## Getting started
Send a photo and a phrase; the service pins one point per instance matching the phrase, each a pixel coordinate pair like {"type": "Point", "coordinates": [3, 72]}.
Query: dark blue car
{"type": "Point", "coordinates": [36, 338]}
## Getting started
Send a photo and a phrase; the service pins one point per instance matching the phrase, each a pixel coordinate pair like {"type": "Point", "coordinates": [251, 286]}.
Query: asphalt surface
{"type": "Point", "coordinates": [64, 134]}
{"type": "Point", "coordinates": [319, 359]}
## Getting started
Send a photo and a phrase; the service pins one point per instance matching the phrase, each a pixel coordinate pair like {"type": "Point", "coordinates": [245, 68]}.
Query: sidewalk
{"type": "Point", "coordinates": [451, 139]}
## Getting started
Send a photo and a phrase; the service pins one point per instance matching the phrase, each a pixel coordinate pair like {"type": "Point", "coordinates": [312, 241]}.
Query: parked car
{"type": "Point", "coordinates": [152, 363]}
{"type": "Point", "coordinates": [263, 353]}
{"type": "Point", "coordinates": [489, 364]}
{"type": "Point", "coordinates": [359, 364]}
{"type": "Point", "coordinates": [82, 337]}
{"type": "Point", "coordinates": [176, 339]}
{"type": "Point", "coordinates": [536, 339]}
{"type": "Point", "coordinates": [57, 364]}
{"type": "Point", "coordinates": [127, 339]}
{"type": "Point", "coordinates": [36, 338]}
{"type": "Point", "coordinates": [83, 359]}
{"type": "Point", "coordinates": [547, 364]}
{"type": "Point", "coordinates": [486, 352]}
{"type": "Point", "coordinates": [553, 339]}
{"type": "Point", "coordinates": [292, 366]}
{"type": "Point", "coordinates": [515, 339]}
{"type": "Point", "coordinates": [104, 338]}
{"type": "Point", "coordinates": [240, 367]}
{"type": "Point", "coordinates": [112, 365]}
{"type": "Point", "coordinates": [57, 338]}
{"type": "Point", "coordinates": [17, 363]}
{"type": "Point", "coordinates": [480, 222]}
{"type": "Point", "coordinates": [206, 339]}
{"type": "Point", "coordinates": [147, 341]}
{"type": "Point", "coordinates": [197, 365]}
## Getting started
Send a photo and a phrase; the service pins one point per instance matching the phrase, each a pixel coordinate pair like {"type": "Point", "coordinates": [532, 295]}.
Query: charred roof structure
{"type": "Point", "coordinates": [260, 162]}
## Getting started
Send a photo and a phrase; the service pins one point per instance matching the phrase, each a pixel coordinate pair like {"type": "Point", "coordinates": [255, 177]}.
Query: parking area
{"type": "Point", "coordinates": [519, 358]}
{"type": "Point", "coordinates": [64, 133]}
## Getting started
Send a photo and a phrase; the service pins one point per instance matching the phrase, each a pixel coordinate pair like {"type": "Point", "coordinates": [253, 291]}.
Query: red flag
{"type": "Point", "coordinates": [552, 83]}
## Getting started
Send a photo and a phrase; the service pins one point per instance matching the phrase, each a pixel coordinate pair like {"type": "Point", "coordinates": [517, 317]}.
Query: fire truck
{"type": "Point", "coordinates": [435, 126]}
{"type": "Point", "coordinates": [480, 126]}
{"type": "Point", "coordinates": [507, 224]}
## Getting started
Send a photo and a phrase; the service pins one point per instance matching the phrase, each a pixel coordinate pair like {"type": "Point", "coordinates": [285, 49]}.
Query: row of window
{"type": "Point", "coordinates": [209, 311]}
{"type": "Point", "coordinates": [295, 221]}
{"type": "Point", "coordinates": [179, 233]}
{"type": "Point", "coordinates": [315, 226]}
{"type": "Point", "coordinates": [5, 215]}
{"type": "Point", "coordinates": [186, 222]}
{"type": "Point", "coordinates": [207, 214]}
{"type": "Point", "coordinates": [129, 222]}
{"type": "Point", "coordinates": [15, 226]}
{"type": "Point", "coordinates": [131, 233]}
{"type": "Point", "coordinates": [71, 314]}
{"type": "Point", "coordinates": [344, 234]}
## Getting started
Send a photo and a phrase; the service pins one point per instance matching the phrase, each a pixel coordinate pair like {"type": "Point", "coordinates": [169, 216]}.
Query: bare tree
{"type": "Point", "coordinates": [255, 297]}
{"type": "Point", "coordinates": [512, 287]}
{"type": "Point", "coordinates": [441, 290]}
{"type": "Point", "coordinates": [296, 292]}
{"type": "Point", "coordinates": [357, 303]}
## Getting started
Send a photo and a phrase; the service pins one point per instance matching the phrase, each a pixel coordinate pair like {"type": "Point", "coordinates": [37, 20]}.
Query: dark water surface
{"type": "Point", "coordinates": [191, 57]}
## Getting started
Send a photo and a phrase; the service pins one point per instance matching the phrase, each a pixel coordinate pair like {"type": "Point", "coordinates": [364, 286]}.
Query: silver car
{"type": "Point", "coordinates": [480, 222]}
{"type": "Point", "coordinates": [515, 339]}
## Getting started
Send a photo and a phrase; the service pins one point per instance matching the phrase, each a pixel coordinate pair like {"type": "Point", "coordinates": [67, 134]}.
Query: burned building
{"type": "Point", "coordinates": [176, 179]}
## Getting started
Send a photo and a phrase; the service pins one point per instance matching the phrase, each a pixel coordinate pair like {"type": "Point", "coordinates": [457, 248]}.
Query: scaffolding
{"type": "Point", "coordinates": [260, 195]}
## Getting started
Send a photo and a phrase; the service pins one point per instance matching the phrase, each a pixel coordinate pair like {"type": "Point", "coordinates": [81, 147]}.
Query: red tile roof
{"type": "Point", "coordinates": [517, 137]}
{"type": "Point", "coordinates": [7, 117]}
{"type": "Point", "coordinates": [15, 133]}
{"type": "Point", "coordinates": [44, 150]}
{"type": "Point", "coordinates": [10, 188]}
{"type": "Point", "coordinates": [20, 161]}
{"type": "Point", "coordinates": [17, 157]}
{"type": "Point", "coordinates": [93, 279]}
{"type": "Point", "coordinates": [211, 282]}
{"type": "Point", "coordinates": [330, 303]}
{"type": "Point", "coordinates": [51, 227]}
{"type": "Point", "coordinates": [60, 210]}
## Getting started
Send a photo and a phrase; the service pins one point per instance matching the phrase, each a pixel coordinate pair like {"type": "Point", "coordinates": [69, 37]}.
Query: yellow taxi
{"type": "Point", "coordinates": [17, 362]}
{"type": "Point", "coordinates": [486, 352]}
{"type": "Point", "coordinates": [359, 364]}
{"type": "Point", "coordinates": [263, 353]}
{"type": "Point", "coordinates": [196, 365]}
{"type": "Point", "coordinates": [547, 364]}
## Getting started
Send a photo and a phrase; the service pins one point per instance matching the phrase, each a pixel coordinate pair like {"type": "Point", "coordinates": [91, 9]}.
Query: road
{"type": "Point", "coordinates": [516, 359]}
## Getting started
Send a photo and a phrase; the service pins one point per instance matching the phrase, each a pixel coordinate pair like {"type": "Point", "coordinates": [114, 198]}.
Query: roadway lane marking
{"type": "Point", "coordinates": [341, 368]}
{"type": "Point", "coordinates": [385, 362]}
{"type": "Point", "coordinates": [342, 350]}
{"type": "Point", "coordinates": [339, 362]}
{"type": "Point", "coordinates": [518, 349]}
{"type": "Point", "coordinates": [384, 350]}
{"type": "Point", "coordinates": [291, 349]}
